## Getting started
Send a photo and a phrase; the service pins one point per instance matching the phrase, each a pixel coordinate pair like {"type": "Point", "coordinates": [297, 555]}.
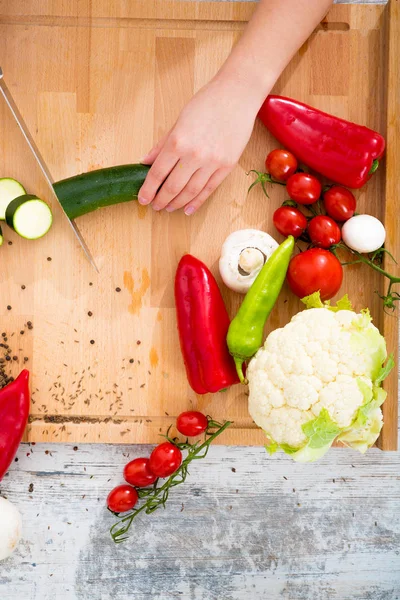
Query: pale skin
{"type": "Point", "coordinates": [211, 132]}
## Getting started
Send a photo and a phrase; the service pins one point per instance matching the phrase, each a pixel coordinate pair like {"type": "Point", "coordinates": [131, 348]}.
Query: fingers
{"type": "Point", "coordinates": [215, 180]}
{"type": "Point", "coordinates": [177, 180]}
{"type": "Point", "coordinates": [159, 171]}
{"type": "Point", "coordinates": [193, 186]}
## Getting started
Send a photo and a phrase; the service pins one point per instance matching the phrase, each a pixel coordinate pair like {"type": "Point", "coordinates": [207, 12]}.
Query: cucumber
{"type": "Point", "coordinates": [84, 193]}
{"type": "Point", "coordinates": [9, 189]}
{"type": "Point", "coordinates": [29, 216]}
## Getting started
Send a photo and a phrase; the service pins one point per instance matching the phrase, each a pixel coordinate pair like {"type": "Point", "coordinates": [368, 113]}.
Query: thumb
{"type": "Point", "coordinates": [151, 156]}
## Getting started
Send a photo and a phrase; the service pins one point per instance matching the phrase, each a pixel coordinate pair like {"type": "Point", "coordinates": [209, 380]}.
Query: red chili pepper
{"type": "Point", "coordinates": [14, 411]}
{"type": "Point", "coordinates": [344, 152]}
{"type": "Point", "coordinates": [203, 324]}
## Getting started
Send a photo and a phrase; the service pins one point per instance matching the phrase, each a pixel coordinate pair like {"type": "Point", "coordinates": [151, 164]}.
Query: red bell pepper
{"type": "Point", "coordinates": [14, 412]}
{"type": "Point", "coordinates": [203, 324]}
{"type": "Point", "coordinates": [343, 152]}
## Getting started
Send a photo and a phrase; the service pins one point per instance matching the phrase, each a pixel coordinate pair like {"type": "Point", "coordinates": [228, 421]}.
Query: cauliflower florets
{"type": "Point", "coordinates": [315, 362]}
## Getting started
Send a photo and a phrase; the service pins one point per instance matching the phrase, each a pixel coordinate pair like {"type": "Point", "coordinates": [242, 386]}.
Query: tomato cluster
{"type": "Point", "coordinates": [316, 268]}
{"type": "Point", "coordinates": [164, 460]}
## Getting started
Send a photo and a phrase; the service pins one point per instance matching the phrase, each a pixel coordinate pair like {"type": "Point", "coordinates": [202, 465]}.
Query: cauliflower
{"type": "Point", "coordinates": [318, 379]}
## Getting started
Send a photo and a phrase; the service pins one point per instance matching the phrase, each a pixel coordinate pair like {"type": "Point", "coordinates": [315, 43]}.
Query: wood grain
{"type": "Point", "coordinates": [98, 83]}
{"type": "Point", "coordinates": [390, 410]}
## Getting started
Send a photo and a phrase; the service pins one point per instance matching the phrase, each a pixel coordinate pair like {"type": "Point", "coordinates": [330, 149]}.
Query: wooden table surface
{"type": "Point", "coordinates": [244, 526]}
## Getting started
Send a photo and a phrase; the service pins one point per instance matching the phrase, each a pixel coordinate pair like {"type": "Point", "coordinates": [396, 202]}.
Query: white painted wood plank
{"type": "Point", "coordinates": [270, 529]}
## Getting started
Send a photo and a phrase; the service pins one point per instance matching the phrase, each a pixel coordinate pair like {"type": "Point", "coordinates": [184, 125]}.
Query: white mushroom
{"type": "Point", "coordinates": [10, 528]}
{"type": "Point", "coordinates": [243, 255]}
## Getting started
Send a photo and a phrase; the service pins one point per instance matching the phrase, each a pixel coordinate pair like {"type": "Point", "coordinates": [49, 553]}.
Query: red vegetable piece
{"type": "Point", "coordinates": [315, 270]}
{"type": "Point", "coordinates": [324, 231]}
{"type": "Point", "coordinates": [191, 423]}
{"type": "Point", "coordinates": [281, 164]}
{"type": "Point", "coordinates": [165, 459]}
{"type": "Point", "coordinates": [304, 188]}
{"type": "Point", "coordinates": [137, 472]}
{"type": "Point", "coordinates": [14, 412]}
{"type": "Point", "coordinates": [122, 498]}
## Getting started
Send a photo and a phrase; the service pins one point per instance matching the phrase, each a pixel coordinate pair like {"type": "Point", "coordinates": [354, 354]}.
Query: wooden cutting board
{"type": "Point", "coordinates": [98, 83]}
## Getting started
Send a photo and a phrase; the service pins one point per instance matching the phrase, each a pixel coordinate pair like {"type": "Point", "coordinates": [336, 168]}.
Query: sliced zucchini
{"type": "Point", "coordinates": [9, 189]}
{"type": "Point", "coordinates": [29, 216]}
{"type": "Point", "coordinates": [1, 236]}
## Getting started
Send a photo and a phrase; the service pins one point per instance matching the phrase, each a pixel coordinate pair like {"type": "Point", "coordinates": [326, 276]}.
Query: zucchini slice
{"type": "Point", "coordinates": [9, 189]}
{"type": "Point", "coordinates": [1, 236]}
{"type": "Point", "coordinates": [89, 191]}
{"type": "Point", "coordinates": [29, 216]}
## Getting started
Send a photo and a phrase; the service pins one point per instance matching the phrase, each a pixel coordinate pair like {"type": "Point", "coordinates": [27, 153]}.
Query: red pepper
{"type": "Point", "coordinates": [203, 324]}
{"type": "Point", "coordinates": [343, 152]}
{"type": "Point", "coordinates": [14, 411]}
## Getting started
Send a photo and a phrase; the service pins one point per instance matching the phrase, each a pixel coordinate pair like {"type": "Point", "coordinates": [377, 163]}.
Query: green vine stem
{"type": "Point", "coordinates": [158, 496]}
{"type": "Point", "coordinates": [391, 297]}
{"type": "Point", "coordinates": [263, 178]}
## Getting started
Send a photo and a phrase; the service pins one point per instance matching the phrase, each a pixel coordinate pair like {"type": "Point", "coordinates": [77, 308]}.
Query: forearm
{"type": "Point", "coordinates": [274, 34]}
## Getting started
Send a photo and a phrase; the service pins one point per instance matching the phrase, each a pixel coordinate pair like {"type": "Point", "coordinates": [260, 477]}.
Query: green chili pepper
{"type": "Point", "coordinates": [245, 333]}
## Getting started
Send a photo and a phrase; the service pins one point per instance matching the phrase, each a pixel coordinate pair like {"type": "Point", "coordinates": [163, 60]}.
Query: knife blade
{"type": "Point", "coordinates": [41, 162]}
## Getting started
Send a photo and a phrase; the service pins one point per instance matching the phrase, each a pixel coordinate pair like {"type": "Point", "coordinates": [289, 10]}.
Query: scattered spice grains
{"type": "Point", "coordinates": [138, 342]}
{"type": "Point", "coordinates": [49, 258]}
{"type": "Point", "coordinates": [9, 307]}
{"type": "Point", "coordinates": [10, 243]}
{"type": "Point", "coordinates": [23, 287]}
{"type": "Point", "coordinates": [90, 313]}
{"type": "Point", "coordinates": [92, 341]}
{"type": "Point", "coordinates": [131, 360]}
{"type": "Point", "coordinates": [117, 289]}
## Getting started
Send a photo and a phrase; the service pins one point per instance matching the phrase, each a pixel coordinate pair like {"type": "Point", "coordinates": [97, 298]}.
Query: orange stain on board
{"type": "Point", "coordinates": [153, 357]}
{"type": "Point", "coordinates": [136, 294]}
{"type": "Point", "coordinates": [142, 211]}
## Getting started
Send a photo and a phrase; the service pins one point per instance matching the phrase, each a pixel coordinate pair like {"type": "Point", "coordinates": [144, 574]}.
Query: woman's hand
{"type": "Point", "coordinates": [202, 148]}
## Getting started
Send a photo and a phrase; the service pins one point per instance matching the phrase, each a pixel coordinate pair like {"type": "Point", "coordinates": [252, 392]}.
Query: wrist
{"type": "Point", "coordinates": [247, 79]}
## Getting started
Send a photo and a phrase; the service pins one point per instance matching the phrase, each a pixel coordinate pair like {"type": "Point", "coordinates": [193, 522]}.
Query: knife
{"type": "Point", "coordinates": [41, 162]}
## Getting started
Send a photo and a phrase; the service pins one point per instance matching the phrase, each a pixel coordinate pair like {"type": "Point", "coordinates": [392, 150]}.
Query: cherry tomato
{"type": "Point", "coordinates": [165, 459]}
{"type": "Point", "coordinates": [281, 164]}
{"type": "Point", "coordinates": [289, 221]}
{"type": "Point", "coordinates": [191, 423]}
{"type": "Point", "coordinates": [137, 473]}
{"type": "Point", "coordinates": [122, 498]}
{"type": "Point", "coordinates": [324, 231]}
{"type": "Point", "coordinates": [313, 270]}
{"type": "Point", "coordinates": [304, 188]}
{"type": "Point", "coordinates": [339, 203]}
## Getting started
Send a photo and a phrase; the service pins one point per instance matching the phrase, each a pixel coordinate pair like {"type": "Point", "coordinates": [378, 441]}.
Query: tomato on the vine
{"type": "Point", "coordinates": [165, 459]}
{"type": "Point", "coordinates": [281, 164]}
{"type": "Point", "coordinates": [288, 220]}
{"type": "Point", "coordinates": [315, 270]}
{"type": "Point", "coordinates": [304, 188]}
{"type": "Point", "coordinates": [122, 498]}
{"type": "Point", "coordinates": [340, 203]}
{"type": "Point", "coordinates": [324, 231]}
{"type": "Point", "coordinates": [138, 473]}
{"type": "Point", "coordinates": [191, 423]}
